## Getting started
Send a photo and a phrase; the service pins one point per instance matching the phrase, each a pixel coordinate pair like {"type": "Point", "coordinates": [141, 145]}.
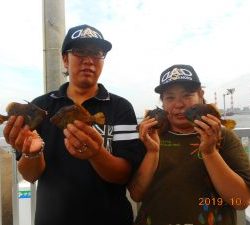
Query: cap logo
{"type": "Point", "coordinates": [86, 33]}
{"type": "Point", "coordinates": [176, 74]}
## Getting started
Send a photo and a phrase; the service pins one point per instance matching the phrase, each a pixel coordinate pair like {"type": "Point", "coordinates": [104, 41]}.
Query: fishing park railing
{"type": "Point", "coordinates": [18, 198]}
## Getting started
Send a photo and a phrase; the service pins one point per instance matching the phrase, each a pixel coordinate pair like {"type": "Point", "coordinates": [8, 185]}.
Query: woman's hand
{"type": "Point", "coordinates": [209, 129]}
{"type": "Point", "coordinates": [148, 135]}
{"type": "Point", "coordinates": [82, 141]}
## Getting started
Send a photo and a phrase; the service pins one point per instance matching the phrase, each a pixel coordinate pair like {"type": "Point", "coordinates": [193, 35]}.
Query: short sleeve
{"type": "Point", "coordinates": [234, 155]}
{"type": "Point", "coordinates": [126, 143]}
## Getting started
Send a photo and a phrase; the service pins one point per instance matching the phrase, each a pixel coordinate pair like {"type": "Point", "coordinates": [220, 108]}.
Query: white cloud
{"type": "Point", "coordinates": [147, 37]}
{"type": "Point", "coordinates": [209, 35]}
{"type": "Point", "coordinates": [21, 51]}
{"type": "Point", "coordinates": [21, 33]}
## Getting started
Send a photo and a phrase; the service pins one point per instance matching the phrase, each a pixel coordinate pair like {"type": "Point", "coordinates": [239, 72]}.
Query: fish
{"type": "Point", "coordinates": [160, 115]}
{"type": "Point", "coordinates": [196, 111]}
{"type": "Point", "coordinates": [68, 114]}
{"type": "Point", "coordinates": [33, 115]}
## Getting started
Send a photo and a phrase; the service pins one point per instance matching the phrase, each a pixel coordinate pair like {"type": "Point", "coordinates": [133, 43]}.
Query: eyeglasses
{"type": "Point", "coordinates": [93, 53]}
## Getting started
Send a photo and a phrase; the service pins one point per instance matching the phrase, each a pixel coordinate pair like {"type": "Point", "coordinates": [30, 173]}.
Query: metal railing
{"type": "Point", "coordinates": [22, 202]}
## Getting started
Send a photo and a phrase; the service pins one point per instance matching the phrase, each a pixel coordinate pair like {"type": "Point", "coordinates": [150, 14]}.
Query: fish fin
{"type": "Point", "coordinates": [46, 113]}
{"type": "Point", "coordinates": [214, 106]}
{"type": "Point", "coordinates": [228, 123]}
{"type": "Point", "coordinates": [99, 118]}
{"type": "Point", "coordinates": [3, 118]}
{"type": "Point", "coordinates": [83, 110]}
{"type": "Point", "coordinates": [28, 119]}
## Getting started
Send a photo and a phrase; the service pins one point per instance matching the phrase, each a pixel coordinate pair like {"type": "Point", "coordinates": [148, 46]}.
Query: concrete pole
{"type": "Point", "coordinates": [53, 34]}
{"type": "Point", "coordinates": [6, 188]}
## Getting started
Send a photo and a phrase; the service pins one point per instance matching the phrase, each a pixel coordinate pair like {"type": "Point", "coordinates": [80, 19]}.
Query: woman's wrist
{"type": "Point", "coordinates": [208, 154]}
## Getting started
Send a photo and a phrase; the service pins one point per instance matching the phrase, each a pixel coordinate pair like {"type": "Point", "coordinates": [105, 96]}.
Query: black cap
{"type": "Point", "coordinates": [175, 74]}
{"type": "Point", "coordinates": [84, 34]}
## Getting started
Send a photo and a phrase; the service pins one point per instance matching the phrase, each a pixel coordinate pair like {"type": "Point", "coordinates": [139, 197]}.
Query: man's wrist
{"type": "Point", "coordinates": [35, 154]}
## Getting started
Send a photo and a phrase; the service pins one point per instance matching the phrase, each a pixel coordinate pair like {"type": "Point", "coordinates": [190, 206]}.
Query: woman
{"type": "Point", "coordinates": [190, 174]}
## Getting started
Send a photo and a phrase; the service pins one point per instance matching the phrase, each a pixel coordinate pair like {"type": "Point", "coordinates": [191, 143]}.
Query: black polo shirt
{"type": "Point", "coordinates": [70, 191]}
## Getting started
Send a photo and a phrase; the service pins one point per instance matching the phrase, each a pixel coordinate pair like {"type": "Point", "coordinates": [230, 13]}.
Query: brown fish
{"type": "Point", "coordinates": [33, 115]}
{"type": "Point", "coordinates": [68, 114]}
{"type": "Point", "coordinates": [160, 115]}
{"type": "Point", "coordinates": [196, 111]}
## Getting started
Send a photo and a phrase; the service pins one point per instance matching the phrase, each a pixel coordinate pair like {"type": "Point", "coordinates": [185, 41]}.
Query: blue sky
{"type": "Point", "coordinates": [147, 36]}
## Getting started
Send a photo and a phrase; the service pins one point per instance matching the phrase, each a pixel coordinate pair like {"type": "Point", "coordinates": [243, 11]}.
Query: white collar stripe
{"type": "Point", "coordinates": [125, 137]}
{"type": "Point", "coordinates": [124, 128]}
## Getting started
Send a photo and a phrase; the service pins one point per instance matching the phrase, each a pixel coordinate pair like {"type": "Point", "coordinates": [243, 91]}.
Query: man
{"type": "Point", "coordinates": [82, 171]}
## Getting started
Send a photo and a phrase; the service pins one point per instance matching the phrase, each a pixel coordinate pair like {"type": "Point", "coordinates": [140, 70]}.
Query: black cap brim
{"type": "Point", "coordinates": [103, 44]}
{"type": "Point", "coordinates": [160, 88]}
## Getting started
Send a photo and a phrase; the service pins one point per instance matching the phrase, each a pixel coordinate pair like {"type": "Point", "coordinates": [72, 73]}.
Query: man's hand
{"type": "Point", "coordinates": [21, 138]}
{"type": "Point", "coordinates": [82, 141]}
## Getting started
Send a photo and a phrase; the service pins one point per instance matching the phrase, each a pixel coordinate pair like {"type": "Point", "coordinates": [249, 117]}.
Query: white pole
{"type": "Point", "coordinates": [53, 34]}
{"type": "Point", "coordinates": [15, 199]}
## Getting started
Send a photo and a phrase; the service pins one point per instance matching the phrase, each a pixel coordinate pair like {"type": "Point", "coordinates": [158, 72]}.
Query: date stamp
{"type": "Point", "coordinates": [219, 201]}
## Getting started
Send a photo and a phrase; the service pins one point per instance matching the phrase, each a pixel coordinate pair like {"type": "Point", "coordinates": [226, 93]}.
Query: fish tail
{"type": "Point", "coordinates": [10, 106]}
{"type": "Point", "coordinates": [3, 118]}
{"type": "Point", "coordinates": [229, 123]}
{"type": "Point", "coordinates": [99, 118]}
